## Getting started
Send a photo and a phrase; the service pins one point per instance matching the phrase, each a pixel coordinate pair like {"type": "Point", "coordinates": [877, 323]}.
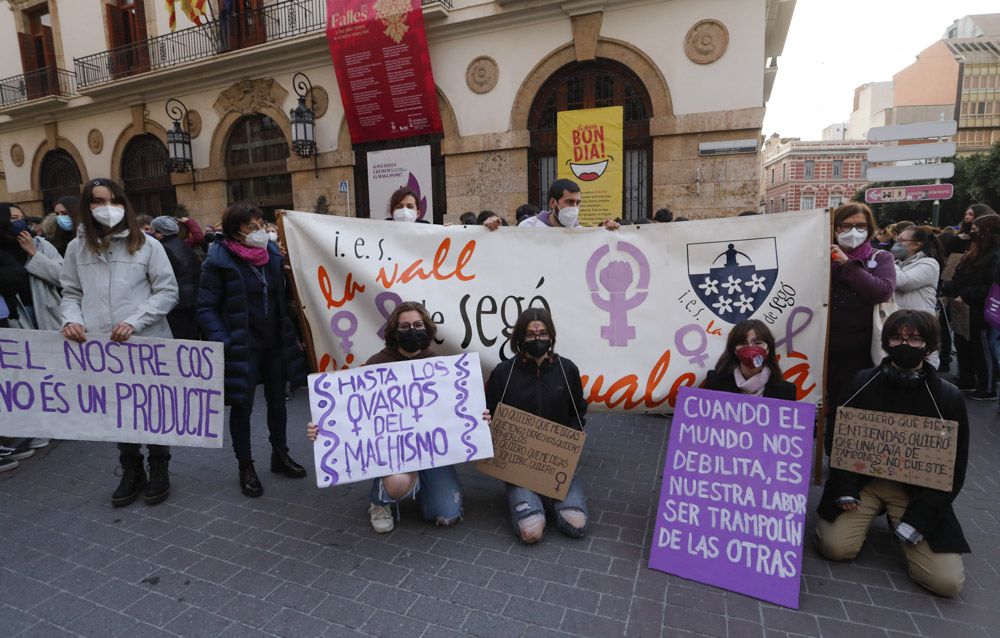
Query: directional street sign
{"type": "Point", "coordinates": [918, 131]}
{"type": "Point", "coordinates": [918, 193]}
{"type": "Point", "coordinates": [910, 152]}
{"type": "Point", "coordinates": [915, 171]}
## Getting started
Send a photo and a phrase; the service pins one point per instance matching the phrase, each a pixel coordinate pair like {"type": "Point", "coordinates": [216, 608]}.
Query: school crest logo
{"type": "Point", "coordinates": [733, 278]}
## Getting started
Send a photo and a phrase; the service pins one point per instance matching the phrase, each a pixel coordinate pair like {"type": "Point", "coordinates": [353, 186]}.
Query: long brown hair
{"type": "Point", "coordinates": [94, 235]}
{"type": "Point", "coordinates": [737, 336]}
{"type": "Point", "coordinates": [392, 323]}
{"type": "Point", "coordinates": [986, 241]}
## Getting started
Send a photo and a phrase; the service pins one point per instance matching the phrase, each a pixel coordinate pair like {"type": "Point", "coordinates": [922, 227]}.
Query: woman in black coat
{"type": "Point", "coordinates": [750, 365]}
{"type": "Point", "coordinates": [922, 517]}
{"type": "Point", "coordinates": [241, 303]}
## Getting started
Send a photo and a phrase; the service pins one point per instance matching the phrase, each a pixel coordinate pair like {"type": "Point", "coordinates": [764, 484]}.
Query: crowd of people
{"type": "Point", "coordinates": [95, 267]}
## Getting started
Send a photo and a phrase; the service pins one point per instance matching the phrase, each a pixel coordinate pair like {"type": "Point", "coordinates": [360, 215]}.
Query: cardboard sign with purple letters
{"type": "Point", "coordinates": [733, 502]}
{"type": "Point", "coordinates": [144, 390]}
{"type": "Point", "coordinates": [398, 417]}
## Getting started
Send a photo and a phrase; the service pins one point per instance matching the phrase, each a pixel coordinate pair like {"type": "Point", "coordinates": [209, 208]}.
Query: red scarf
{"type": "Point", "coordinates": [253, 256]}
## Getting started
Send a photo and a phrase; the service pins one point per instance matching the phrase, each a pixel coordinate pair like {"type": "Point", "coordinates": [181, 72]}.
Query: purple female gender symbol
{"type": "Point", "coordinates": [697, 354]}
{"type": "Point", "coordinates": [560, 479]}
{"type": "Point", "coordinates": [344, 332]}
{"type": "Point", "coordinates": [616, 278]}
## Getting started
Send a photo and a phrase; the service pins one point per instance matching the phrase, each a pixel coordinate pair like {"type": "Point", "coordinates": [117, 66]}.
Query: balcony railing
{"type": "Point", "coordinates": [50, 81]}
{"type": "Point", "coordinates": [269, 23]}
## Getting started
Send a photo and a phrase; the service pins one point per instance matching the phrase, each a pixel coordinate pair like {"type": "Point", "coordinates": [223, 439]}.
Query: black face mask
{"type": "Point", "coordinates": [414, 340]}
{"type": "Point", "coordinates": [906, 356]}
{"type": "Point", "coordinates": [538, 347]}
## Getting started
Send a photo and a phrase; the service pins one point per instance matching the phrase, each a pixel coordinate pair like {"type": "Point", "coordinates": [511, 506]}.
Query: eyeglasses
{"type": "Point", "coordinates": [416, 325]}
{"type": "Point", "coordinates": [846, 227]}
{"type": "Point", "coordinates": [913, 340]}
{"type": "Point", "coordinates": [535, 336]}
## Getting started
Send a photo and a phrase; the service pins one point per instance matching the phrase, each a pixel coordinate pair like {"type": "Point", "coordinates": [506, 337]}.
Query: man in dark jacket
{"type": "Point", "coordinates": [183, 319]}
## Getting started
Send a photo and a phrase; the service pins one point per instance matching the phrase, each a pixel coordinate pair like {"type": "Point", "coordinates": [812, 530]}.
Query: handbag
{"type": "Point", "coordinates": [880, 313]}
{"type": "Point", "coordinates": [992, 311]}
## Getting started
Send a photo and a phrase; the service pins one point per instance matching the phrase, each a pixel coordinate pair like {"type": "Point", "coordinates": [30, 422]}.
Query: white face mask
{"type": "Point", "coordinates": [256, 239]}
{"type": "Point", "coordinates": [109, 216]}
{"type": "Point", "coordinates": [852, 238]}
{"type": "Point", "coordinates": [404, 215]}
{"type": "Point", "coordinates": [568, 216]}
{"type": "Point", "coordinates": [273, 236]}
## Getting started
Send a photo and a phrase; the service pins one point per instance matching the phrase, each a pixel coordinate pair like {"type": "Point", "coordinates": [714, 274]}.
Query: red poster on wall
{"type": "Point", "coordinates": [379, 50]}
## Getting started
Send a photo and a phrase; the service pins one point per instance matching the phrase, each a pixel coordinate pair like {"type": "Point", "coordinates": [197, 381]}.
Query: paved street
{"type": "Point", "coordinates": [302, 562]}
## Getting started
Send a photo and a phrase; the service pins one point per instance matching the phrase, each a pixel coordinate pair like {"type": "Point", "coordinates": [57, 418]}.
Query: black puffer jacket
{"type": "Point", "coordinates": [929, 510]}
{"type": "Point", "coordinates": [223, 316]}
{"type": "Point", "coordinates": [540, 390]}
{"type": "Point", "coordinates": [187, 270]}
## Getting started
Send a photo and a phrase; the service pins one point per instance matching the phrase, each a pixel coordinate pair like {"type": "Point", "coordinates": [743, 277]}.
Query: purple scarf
{"type": "Point", "coordinates": [253, 256]}
{"type": "Point", "coordinates": [862, 252]}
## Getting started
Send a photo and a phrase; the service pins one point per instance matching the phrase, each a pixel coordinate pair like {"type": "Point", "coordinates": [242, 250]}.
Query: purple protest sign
{"type": "Point", "coordinates": [733, 502]}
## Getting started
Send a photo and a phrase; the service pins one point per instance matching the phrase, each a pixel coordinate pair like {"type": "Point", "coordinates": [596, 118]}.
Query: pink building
{"type": "Point", "coordinates": [801, 175]}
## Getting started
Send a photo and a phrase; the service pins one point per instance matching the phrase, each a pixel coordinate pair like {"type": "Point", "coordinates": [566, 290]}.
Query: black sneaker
{"type": "Point", "coordinates": [7, 464]}
{"type": "Point", "coordinates": [16, 449]}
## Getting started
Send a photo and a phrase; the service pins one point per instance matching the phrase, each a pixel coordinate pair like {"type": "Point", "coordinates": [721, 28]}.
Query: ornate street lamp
{"type": "Point", "coordinates": [303, 120]}
{"type": "Point", "coordinates": [179, 140]}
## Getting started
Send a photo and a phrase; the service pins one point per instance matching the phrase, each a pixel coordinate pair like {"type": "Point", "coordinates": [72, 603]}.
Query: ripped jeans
{"type": "Point", "coordinates": [523, 503]}
{"type": "Point", "coordinates": [437, 491]}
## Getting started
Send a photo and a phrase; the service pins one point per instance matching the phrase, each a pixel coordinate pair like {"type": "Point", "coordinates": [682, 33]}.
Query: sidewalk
{"type": "Point", "coordinates": [303, 562]}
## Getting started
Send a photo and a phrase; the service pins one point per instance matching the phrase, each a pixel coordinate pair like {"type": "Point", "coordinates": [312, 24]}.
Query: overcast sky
{"type": "Point", "coordinates": [833, 47]}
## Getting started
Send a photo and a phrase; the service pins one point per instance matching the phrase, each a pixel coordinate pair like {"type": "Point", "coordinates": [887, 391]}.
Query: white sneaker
{"type": "Point", "coordinates": [37, 444]}
{"type": "Point", "coordinates": [381, 516]}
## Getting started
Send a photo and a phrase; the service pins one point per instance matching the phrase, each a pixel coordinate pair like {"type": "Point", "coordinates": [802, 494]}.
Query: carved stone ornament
{"type": "Point", "coordinates": [706, 41]}
{"type": "Point", "coordinates": [251, 96]}
{"type": "Point", "coordinates": [482, 74]}
{"type": "Point", "coordinates": [95, 140]}
{"type": "Point", "coordinates": [320, 101]}
{"type": "Point", "coordinates": [194, 124]}
{"type": "Point", "coordinates": [17, 155]}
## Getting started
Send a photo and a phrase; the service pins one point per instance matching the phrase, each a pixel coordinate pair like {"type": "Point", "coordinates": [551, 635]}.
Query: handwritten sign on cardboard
{"type": "Point", "coordinates": [532, 452]}
{"type": "Point", "coordinates": [398, 417]}
{"type": "Point", "coordinates": [732, 506]}
{"type": "Point", "coordinates": [144, 390]}
{"type": "Point", "coordinates": [917, 450]}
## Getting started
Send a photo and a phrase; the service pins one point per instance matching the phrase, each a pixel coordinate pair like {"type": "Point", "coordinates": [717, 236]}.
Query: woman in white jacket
{"type": "Point", "coordinates": [117, 283]}
{"type": "Point", "coordinates": [918, 255]}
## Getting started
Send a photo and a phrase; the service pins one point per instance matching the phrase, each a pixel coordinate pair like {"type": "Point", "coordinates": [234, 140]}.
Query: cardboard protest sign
{"type": "Point", "coordinates": [960, 319]}
{"type": "Point", "coordinates": [917, 450]}
{"type": "Point", "coordinates": [951, 266]}
{"type": "Point", "coordinates": [155, 391]}
{"type": "Point", "coordinates": [733, 502]}
{"type": "Point", "coordinates": [398, 417]}
{"type": "Point", "coordinates": [533, 452]}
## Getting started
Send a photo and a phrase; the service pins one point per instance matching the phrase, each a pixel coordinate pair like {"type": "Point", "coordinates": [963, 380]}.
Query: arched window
{"type": "Point", "coordinates": [58, 176]}
{"type": "Point", "coordinates": [256, 163]}
{"type": "Point", "coordinates": [146, 178]}
{"type": "Point", "coordinates": [588, 85]}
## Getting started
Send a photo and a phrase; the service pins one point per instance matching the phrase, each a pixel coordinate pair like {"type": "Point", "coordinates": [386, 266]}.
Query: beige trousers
{"type": "Point", "coordinates": [943, 574]}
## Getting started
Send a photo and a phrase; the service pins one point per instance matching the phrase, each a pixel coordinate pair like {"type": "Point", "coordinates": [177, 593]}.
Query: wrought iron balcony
{"type": "Point", "coordinates": [47, 82]}
{"type": "Point", "coordinates": [269, 23]}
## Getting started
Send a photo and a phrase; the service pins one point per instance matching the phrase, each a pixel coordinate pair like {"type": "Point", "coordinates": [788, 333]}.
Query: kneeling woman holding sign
{"type": "Point", "coordinates": [749, 364]}
{"type": "Point", "coordinates": [870, 436]}
{"type": "Point", "coordinates": [539, 381]}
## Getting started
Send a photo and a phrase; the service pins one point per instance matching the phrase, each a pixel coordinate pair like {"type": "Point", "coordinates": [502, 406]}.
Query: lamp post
{"type": "Point", "coordinates": [303, 121]}
{"type": "Point", "coordinates": [179, 140]}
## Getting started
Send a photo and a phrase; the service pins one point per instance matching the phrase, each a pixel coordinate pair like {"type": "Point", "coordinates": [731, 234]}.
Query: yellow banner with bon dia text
{"type": "Point", "coordinates": [591, 153]}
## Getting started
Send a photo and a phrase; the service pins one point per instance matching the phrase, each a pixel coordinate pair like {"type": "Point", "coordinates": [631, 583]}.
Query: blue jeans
{"type": "Point", "coordinates": [523, 503]}
{"type": "Point", "coordinates": [437, 491]}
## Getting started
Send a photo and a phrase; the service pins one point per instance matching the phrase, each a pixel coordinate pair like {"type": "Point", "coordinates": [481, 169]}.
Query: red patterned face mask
{"type": "Point", "coordinates": [752, 356]}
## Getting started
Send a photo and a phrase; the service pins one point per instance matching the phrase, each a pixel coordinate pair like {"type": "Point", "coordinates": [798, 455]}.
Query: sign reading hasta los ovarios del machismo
{"type": "Point", "coordinates": [159, 391]}
{"type": "Point", "coordinates": [398, 417]}
{"type": "Point", "coordinates": [733, 501]}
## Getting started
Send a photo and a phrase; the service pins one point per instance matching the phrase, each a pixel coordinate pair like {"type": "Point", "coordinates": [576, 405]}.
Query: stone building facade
{"type": "Point", "coordinates": [802, 175]}
{"type": "Point", "coordinates": [87, 98]}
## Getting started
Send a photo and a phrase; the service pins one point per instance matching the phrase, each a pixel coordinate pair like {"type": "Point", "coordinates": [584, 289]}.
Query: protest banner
{"type": "Point", "coordinates": [642, 311]}
{"type": "Point", "coordinates": [732, 506]}
{"type": "Point", "coordinates": [398, 417]}
{"type": "Point", "coordinates": [144, 390]}
{"type": "Point", "coordinates": [533, 452]}
{"type": "Point", "coordinates": [917, 450]}
{"type": "Point", "coordinates": [383, 68]}
{"type": "Point", "coordinates": [393, 169]}
{"type": "Point", "coordinates": [591, 153]}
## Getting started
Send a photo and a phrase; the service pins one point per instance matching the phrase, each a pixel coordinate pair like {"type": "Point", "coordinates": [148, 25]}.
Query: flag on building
{"type": "Point", "coordinates": [193, 9]}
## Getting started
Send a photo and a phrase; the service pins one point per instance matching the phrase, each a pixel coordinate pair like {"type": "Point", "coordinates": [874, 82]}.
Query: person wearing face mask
{"type": "Point", "coordinates": [118, 283]}
{"type": "Point", "coordinates": [563, 209]}
{"type": "Point", "coordinates": [36, 306]}
{"type": "Point", "coordinates": [861, 278]}
{"type": "Point", "coordinates": [921, 517]}
{"type": "Point", "coordinates": [749, 364]}
{"type": "Point", "coordinates": [242, 303]}
{"type": "Point", "coordinates": [58, 227]}
{"type": "Point", "coordinates": [403, 207]}
{"type": "Point", "coordinates": [539, 381]}
{"type": "Point", "coordinates": [971, 285]}
{"type": "Point", "coordinates": [918, 255]}
{"type": "Point", "coordinates": [409, 334]}
{"type": "Point", "coordinates": [183, 319]}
